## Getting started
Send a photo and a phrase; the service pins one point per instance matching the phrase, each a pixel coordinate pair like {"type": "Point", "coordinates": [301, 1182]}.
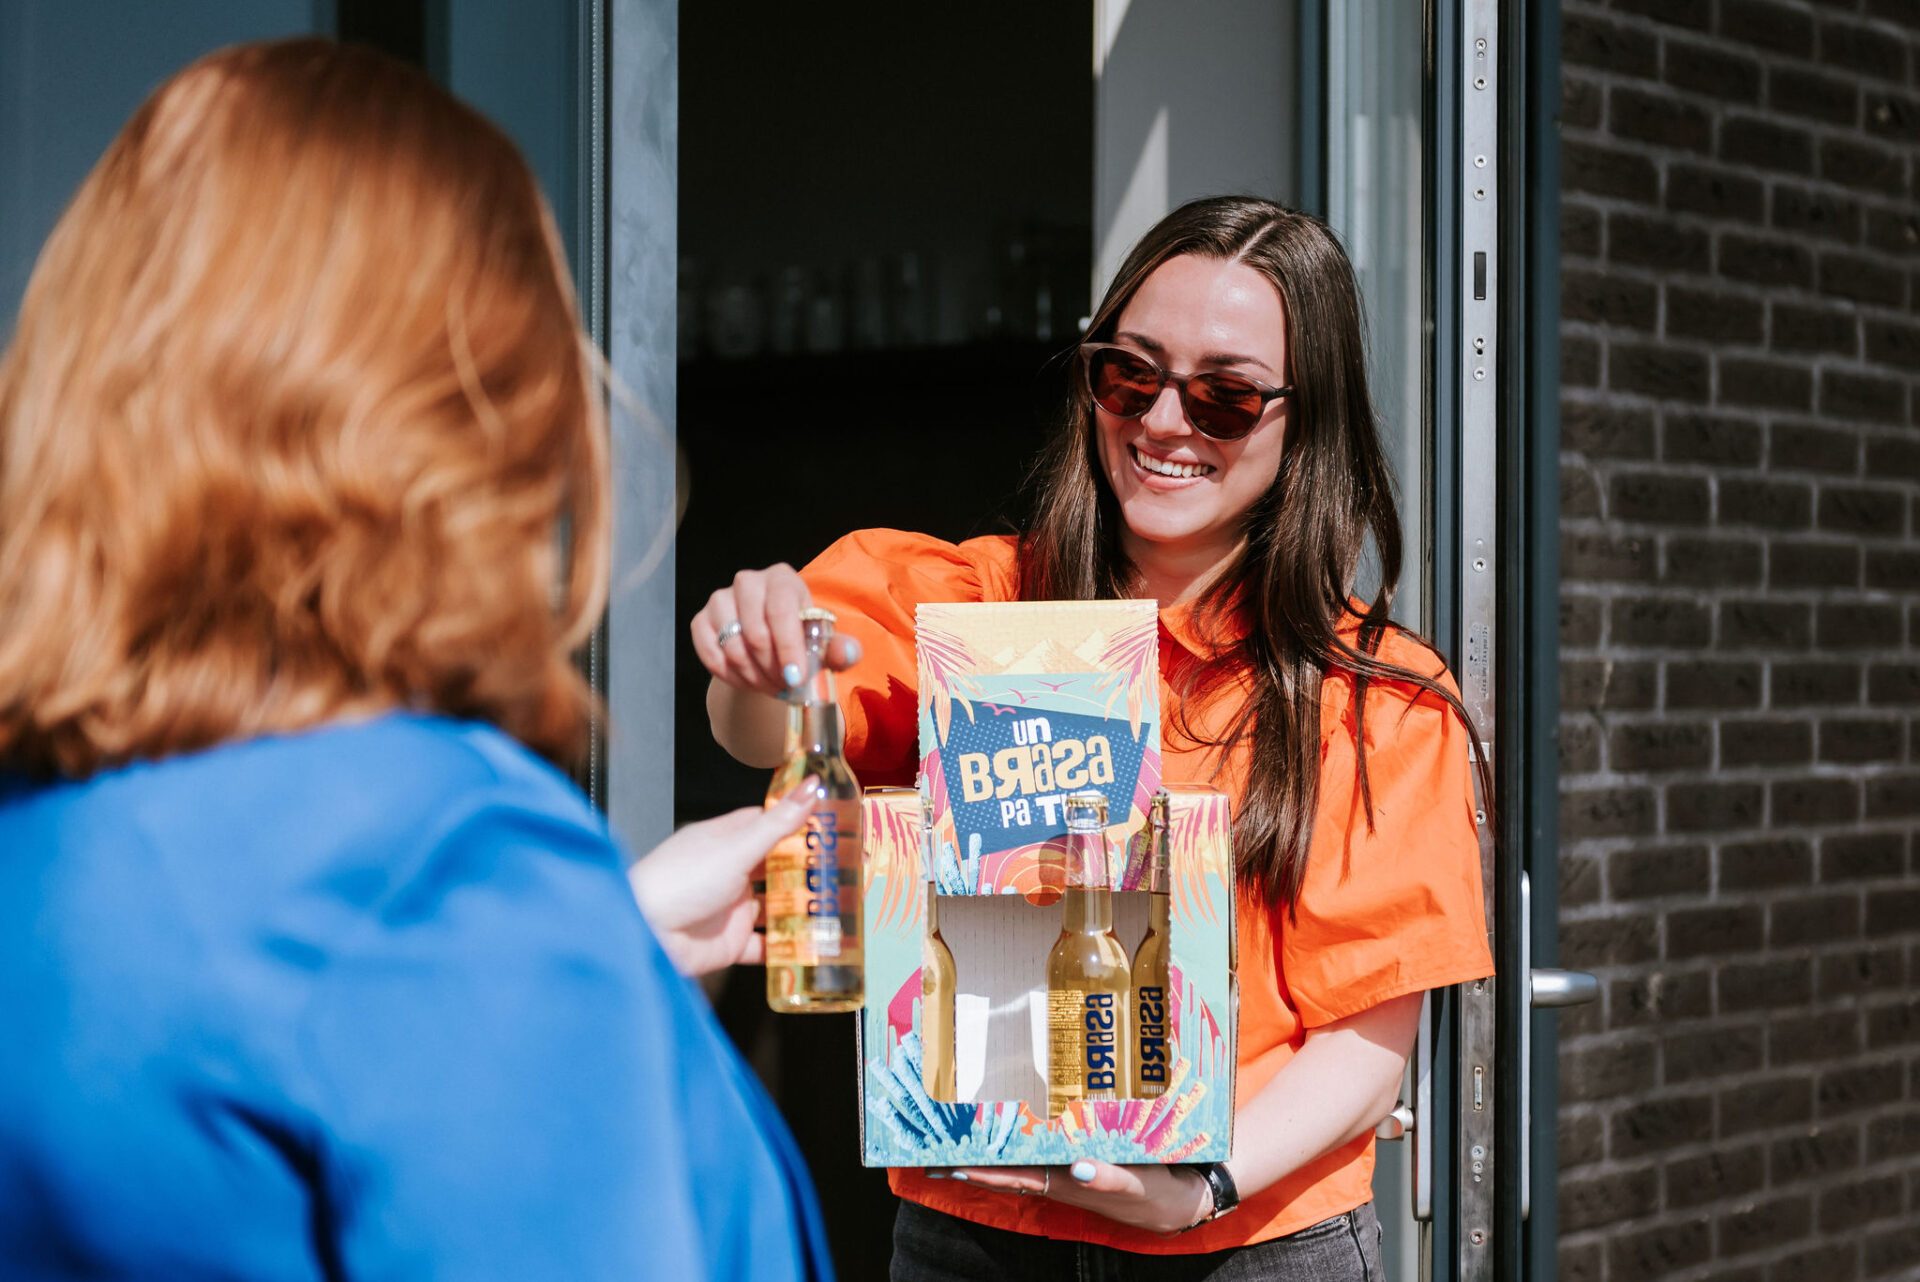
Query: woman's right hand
{"type": "Point", "coordinates": [696, 887]}
{"type": "Point", "coordinates": [766, 653]}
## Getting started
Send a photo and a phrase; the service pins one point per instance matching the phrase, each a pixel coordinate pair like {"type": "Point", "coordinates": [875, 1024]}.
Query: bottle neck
{"type": "Point", "coordinates": [1087, 911]}
{"type": "Point", "coordinates": [817, 730]}
{"type": "Point", "coordinates": [1088, 904]}
{"type": "Point", "coordinates": [818, 687]}
{"type": "Point", "coordinates": [1159, 870]}
{"type": "Point", "coordinates": [933, 909]}
{"type": "Point", "coordinates": [1159, 912]}
{"type": "Point", "coordinates": [794, 726]}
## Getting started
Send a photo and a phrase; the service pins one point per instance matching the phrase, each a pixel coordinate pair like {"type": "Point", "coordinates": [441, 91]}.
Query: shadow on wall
{"type": "Point", "coordinates": [71, 71]}
{"type": "Point", "coordinates": [1171, 111]}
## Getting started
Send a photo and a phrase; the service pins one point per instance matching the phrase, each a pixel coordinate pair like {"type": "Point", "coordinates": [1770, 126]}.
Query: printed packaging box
{"type": "Point", "coordinates": [1020, 704]}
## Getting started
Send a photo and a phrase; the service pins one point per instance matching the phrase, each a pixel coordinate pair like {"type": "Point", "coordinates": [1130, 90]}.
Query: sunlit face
{"type": "Point", "coordinates": [1184, 495]}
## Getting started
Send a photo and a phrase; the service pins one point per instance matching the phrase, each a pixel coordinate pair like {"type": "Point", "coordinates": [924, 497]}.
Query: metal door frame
{"type": "Point", "coordinates": [1535, 386]}
{"type": "Point", "coordinates": [1493, 67]}
{"type": "Point", "coordinates": [1494, 479]}
{"type": "Point", "coordinates": [1497, 575]}
{"type": "Point", "coordinates": [640, 72]}
{"type": "Point", "coordinates": [1469, 181]}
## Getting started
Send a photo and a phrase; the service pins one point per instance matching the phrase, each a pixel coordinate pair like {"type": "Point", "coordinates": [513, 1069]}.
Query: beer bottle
{"type": "Point", "coordinates": [1088, 980]}
{"type": "Point", "coordinates": [1152, 1049]}
{"type": "Point", "coordinates": [939, 981]}
{"type": "Point", "coordinates": [814, 962]}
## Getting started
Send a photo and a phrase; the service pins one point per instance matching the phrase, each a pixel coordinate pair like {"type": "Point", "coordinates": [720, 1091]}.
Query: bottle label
{"type": "Point", "coordinates": [1150, 1017]}
{"type": "Point", "coordinates": [813, 890]}
{"type": "Point", "coordinates": [1083, 1044]}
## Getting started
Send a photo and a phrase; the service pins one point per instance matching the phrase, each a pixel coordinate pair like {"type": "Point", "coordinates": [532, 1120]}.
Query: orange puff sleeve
{"type": "Point", "coordinates": [1393, 906]}
{"type": "Point", "coordinates": [873, 580]}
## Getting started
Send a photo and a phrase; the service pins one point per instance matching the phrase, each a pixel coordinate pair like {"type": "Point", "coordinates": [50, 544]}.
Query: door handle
{"type": "Point", "coordinates": [1396, 1125]}
{"type": "Point", "coordinates": [1551, 989]}
{"type": "Point", "coordinates": [1546, 990]}
{"type": "Point", "coordinates": [1404, 1122]}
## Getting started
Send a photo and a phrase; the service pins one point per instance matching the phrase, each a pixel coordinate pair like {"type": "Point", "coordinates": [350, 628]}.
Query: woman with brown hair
{"type": "Point", "coordinates": [1220, 454]}
{"type": "Point", "coordinates": [311, 966]}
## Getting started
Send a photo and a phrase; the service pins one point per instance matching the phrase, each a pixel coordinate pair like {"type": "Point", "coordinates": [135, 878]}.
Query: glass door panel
{"type": "Point", "coordinates": [1192, 98]}
{"type": "Point", "coordinates": [1375, 148]}
{"type": "Point", "coordinates": [1376, 154]}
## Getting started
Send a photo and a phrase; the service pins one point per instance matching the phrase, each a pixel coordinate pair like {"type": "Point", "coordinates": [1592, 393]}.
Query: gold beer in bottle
{"type": "Point", "coordinates": [814, 875]}
{"type": "Point", "coordinates": [1152, 1049]}
{"type": "Point", "coordinates": [1088, 980]}
{"type": "Point", "coordinates": [938, 981]}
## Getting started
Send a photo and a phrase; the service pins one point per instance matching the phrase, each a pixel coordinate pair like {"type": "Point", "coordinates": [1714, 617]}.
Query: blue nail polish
{"type": "Point", "coordinates": [961, 1176]}
{"type": "Point", "coordinates": [936, 1175]}
{"type": "Point", "coordinates": [1082, 1171]}
{"type": "Point", "coordinates": [791, 675]}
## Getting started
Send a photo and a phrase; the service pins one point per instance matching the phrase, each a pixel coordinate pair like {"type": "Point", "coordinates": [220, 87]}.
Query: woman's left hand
{"type": "Point", "coordinates": [1160, 1199]}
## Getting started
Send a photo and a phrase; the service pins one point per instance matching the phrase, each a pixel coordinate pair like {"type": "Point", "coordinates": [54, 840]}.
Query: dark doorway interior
{"type": "Point", "coordinates": [885, 250]}
{"type": "Point", "coordinates": [397, 27]}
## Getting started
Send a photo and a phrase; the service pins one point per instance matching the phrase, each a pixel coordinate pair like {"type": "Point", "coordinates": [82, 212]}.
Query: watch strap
{"type": "Point", "coordinates": [1225, 1196]}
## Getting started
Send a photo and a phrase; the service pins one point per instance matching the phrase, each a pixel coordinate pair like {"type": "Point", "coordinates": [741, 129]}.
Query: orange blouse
{"type": "Point", "coordinates": [1382, 912]}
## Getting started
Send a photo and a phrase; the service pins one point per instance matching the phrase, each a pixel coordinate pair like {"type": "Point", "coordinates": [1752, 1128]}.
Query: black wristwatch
{"type": "Point", "coordinates": [1225, 1195]}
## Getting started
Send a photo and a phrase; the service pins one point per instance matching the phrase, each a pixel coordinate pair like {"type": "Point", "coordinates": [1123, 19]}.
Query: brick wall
{"type": "Point", "coordinates": [1740, 621]}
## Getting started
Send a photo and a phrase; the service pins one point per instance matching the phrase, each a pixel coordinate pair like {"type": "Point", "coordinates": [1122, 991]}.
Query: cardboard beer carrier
{"type": "Point", "coordinates": [1022, 703]}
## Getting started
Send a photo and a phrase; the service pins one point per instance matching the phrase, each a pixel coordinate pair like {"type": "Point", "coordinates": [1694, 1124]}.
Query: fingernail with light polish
{"type": "Point", "coordinates": [853, 651]}
{"type": "Point", "coordinates": [1082, 1171]}
{"type": "Point", "coordinates": [791, 675]}
{"type": "Point", "coordinates": [961, 1176]}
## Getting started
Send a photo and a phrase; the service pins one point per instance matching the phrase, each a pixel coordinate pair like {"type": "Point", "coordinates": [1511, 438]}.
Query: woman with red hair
{"type": "Point", "coordinates": [311, 966]}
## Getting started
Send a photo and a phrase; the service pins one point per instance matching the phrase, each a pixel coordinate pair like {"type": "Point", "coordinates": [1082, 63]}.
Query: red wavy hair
{"type": "Point", "coordinates": [297, 423]}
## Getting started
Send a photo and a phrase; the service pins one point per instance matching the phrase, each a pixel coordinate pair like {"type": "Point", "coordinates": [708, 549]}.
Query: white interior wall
{"type": "Point", "coordinates": [1191, 98]}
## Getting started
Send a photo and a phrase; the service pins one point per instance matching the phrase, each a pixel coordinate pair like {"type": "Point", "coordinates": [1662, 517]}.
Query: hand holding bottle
{"type": "Point", "coordinates": [814, 878]}
{"type": "Point", "coordinates": [748, 634]}
{"type": "Point", "coordinates": [696, 887]}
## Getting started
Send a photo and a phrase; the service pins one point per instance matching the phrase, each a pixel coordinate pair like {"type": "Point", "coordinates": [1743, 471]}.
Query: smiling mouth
{"type": "Point", "coordinates": [1161, 467]}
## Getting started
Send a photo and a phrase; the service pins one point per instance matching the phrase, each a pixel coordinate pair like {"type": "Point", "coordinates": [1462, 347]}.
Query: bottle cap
{"type": "Point", "coordinates": [816, 628]}
{"type": "Point", "coordinates": [1086, 809]}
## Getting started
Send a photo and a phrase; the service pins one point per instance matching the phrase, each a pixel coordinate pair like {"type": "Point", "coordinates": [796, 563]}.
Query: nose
{"type": "Point", "coordinates": [1166, 416]}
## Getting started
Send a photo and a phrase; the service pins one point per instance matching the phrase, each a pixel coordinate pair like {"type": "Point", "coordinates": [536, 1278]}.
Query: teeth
{"type": "Point", "coordinates": [1161, 467]}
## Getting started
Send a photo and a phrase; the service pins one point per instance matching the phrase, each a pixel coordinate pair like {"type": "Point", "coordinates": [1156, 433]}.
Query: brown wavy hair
{"type": "Point", "coordinates": [297, 423]}
{"type": "Point", "coordinates": [1293, 579]}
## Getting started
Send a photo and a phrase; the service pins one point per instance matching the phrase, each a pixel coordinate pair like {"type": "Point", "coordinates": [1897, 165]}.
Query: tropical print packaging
{"type": "Point", "coordinates": [1020, 704]}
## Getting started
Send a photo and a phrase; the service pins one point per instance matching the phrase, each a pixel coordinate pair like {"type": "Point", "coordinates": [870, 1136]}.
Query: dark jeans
{"type": "Point", "coordinates": [929, 1246]}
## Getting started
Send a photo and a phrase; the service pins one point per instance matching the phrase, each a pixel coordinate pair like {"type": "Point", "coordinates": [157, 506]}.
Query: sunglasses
{"type": "Point", "coordinates": [1223, 406]}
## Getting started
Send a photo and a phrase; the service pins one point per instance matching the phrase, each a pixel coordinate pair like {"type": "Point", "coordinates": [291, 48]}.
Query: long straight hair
{"type": "Point", "coordinates": [1294, 576]}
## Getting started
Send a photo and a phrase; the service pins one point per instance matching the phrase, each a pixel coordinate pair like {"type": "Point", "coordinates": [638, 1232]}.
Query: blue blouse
{"type": "Point", "coordinates": [369, 1002]}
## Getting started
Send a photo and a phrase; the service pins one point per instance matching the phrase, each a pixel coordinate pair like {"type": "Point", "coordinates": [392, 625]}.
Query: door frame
{"type": "Point", "coordinates": [1535, 432]}
{"type": "Point", "coordinates": [625, 247]}
{"type": "Point", "coordinates": [1496, 572]}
